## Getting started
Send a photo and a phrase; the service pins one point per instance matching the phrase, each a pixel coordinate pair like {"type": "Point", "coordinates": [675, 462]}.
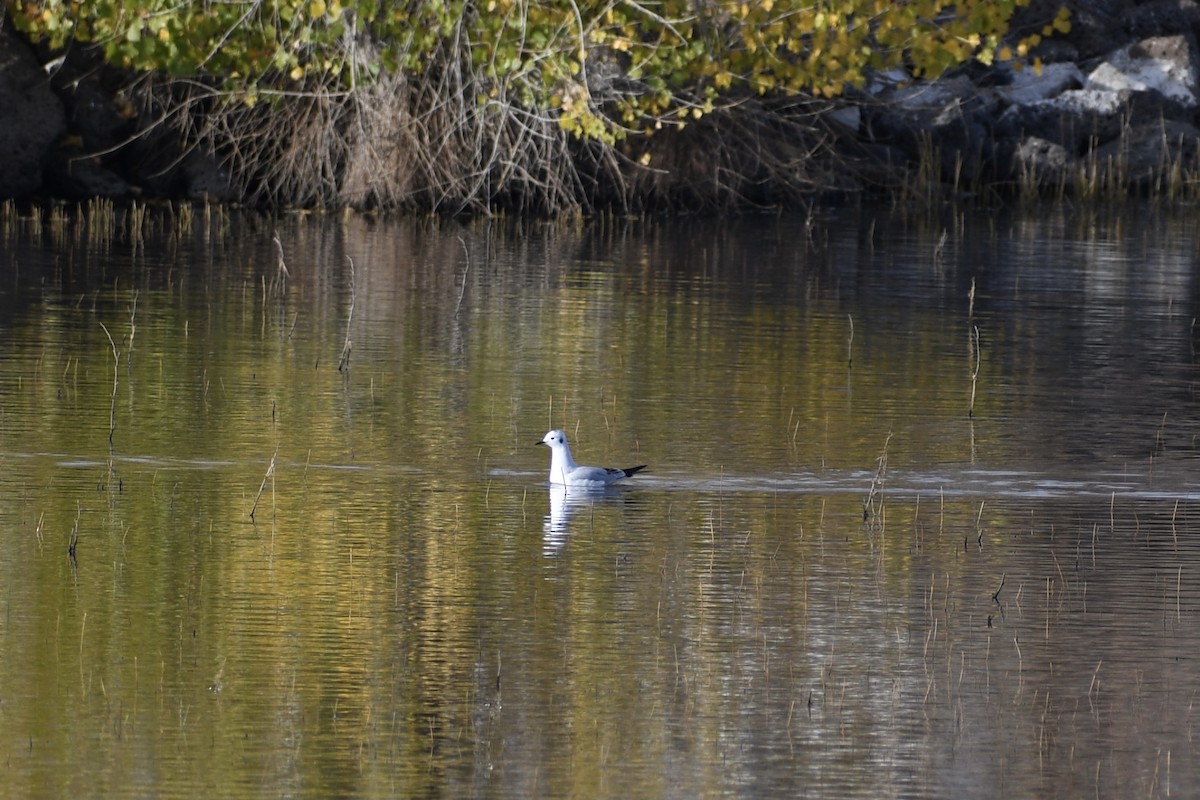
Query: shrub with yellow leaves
{"type": "Point", "coordinates": [673, 55]}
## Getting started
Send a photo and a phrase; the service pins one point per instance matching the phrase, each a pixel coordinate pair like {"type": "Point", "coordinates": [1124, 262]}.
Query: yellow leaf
{"type": "Point", "coordinates": [644, 160]}
{"type": "Point", "coordinates": [297, 73]}
{"type": "Point", "coordinates": [316, 9]}
{"type": "Point", "coordinates": [164, 35]}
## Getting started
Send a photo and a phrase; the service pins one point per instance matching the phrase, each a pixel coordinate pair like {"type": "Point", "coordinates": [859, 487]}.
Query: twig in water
{"type": "Point", "coordinates": [877, 480]}
{"type": "Point", "coordinates": [112, 412]}
{"type": "Point", "coordinates": [344, 361]}
{"type": "Point", "coordinates": [996, 594]}
{"type": "Point", "coordinates": [73, 545]}
{"type": "Point", "coordinates": [975, 357]}
{"type": "Point", "coordinates": [979, 524]}
{"type": "Point", "coordinates": [940, 247]}
{"type": "Point", "coordinates": [263, 485]}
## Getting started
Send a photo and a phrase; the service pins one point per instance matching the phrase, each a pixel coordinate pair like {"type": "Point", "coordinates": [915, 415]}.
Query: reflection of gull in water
{"type": "Point", "coordinates": [565, 472]}
{"type": "Point", "coordinates": [555, 527]}
{"type": "Point", "coordinates": [565, 501]}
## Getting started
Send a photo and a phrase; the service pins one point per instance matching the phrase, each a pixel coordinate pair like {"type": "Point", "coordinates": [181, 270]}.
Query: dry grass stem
{"type": "Point", "coordinates": [112, 413]}
{"type": "Point", "coordinates": [348, 345]}
{"type": "Point", "coordinates": [268, 476]}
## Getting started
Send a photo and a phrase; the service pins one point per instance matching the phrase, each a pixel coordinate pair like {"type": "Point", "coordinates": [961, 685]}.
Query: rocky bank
{"type": "Point", "coordinates": [1115, 103]}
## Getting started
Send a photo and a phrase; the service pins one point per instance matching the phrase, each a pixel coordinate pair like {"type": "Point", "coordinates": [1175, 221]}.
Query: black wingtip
{"type": "Point", "coordinates": [631, 471]}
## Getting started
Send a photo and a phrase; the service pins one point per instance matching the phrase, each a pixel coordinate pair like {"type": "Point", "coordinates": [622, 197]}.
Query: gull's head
{"type": "Point", "coordinates": [554, 439]}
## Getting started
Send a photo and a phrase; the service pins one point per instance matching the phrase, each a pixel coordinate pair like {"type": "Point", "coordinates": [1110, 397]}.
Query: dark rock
{"type": "Point", "coordinates": [1072, 120]}
{"type": "Point", "coordinates": [32, 118]}
{"type": "Point", "coordinates": [1162, 18]}
{"type": "Point", "coordinates": [1041, 162]}
{"type": "Point", "coordinates": [1032, 18]}
{"type": "Point", "coordinates": [1153, 106]}
{"type": "Point", "coordinates": [93, 115]}
{"type": "Point", "coordinates": [873, 165]}
{"type": "Point", "coordinates": [207, 179]}
{"type": "Point", "coordinates": [1096, 29]}
{"type": "Point", "coordinates": [908, 116]}
{"type": "Point", "coordinates": [1028, 86]}
{"type": "Point", "coordinates": [1146, 153]}
{"type": "Point", "coordinates": [73, 174]}
{"type": "Point", "coordinates": [1055, 51]}
{"type": "Point", "coordinates": [153, 162]}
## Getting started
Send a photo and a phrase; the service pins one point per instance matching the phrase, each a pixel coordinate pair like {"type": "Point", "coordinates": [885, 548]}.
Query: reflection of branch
{"type": "Point", "coordinates": [74, 543]}
{"type": "Point", "coordinates": [112, 412]}
{"type": "Point", "coordinates": [132, 324]}
{"type": "Point", "coordinates": [281, 264]}
{"type": "Point", "coordinates": [850, 342]}
{"type": "Point", "coordinates": [466, 272]}
{"type": "Point", "coordinates": [348, 345]}
{"type": "Point", "coordinates": [877, 480]}
{"type": "Point", "coordinates": [973, 338]}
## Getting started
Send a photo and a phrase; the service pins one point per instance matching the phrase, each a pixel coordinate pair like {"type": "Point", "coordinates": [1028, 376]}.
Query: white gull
{"type": "Point", "coordinates": [564, 470]}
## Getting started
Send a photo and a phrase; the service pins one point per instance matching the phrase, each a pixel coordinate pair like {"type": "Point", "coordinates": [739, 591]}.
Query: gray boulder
{"type": "Point", "coordinates": [1040, 162]}
{"type": "Point", "coordinates": [1164, 64]}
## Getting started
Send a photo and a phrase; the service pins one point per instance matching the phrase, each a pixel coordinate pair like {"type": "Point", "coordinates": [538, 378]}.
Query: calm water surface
{"type": "Point", "coordinates": [920, 519]}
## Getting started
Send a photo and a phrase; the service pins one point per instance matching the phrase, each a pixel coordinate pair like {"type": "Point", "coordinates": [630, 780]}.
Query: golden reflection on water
{"type": "Point", "coordinates": [411, 612]}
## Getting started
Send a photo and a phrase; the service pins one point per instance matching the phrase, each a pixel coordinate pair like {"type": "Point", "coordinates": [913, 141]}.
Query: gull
{"type": "Point", "coordinates": [564, 470]}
